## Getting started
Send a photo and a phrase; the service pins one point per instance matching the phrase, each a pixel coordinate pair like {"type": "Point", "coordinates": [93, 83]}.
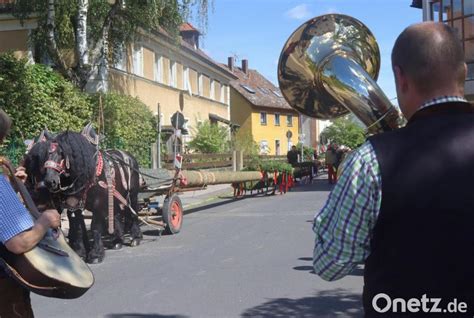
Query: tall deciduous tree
{"type": "Point", "coordinates": [97, 30]}
{"type": "Point", "coordinates": [344, 131]}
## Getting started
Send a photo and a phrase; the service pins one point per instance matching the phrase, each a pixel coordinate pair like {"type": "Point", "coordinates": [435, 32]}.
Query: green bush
{"type": "Point", "coordinates": [129, 124]}
{"type": "Point", "coordinates": [344, 131]}
{"type": "Point", "coordinates": [243, 141]}
{"type": "Point", "coordinates": [210, 138]}
{"type": "Point", "coordinates": [308, 153]}
{"type": "Point", "coordinates": [36, 97]}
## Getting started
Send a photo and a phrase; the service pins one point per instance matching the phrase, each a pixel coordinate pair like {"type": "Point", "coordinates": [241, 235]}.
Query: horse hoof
{"type": "Point", "coordinates": [135, 242]}
{"type": "Point", "coordinates": [117, 246]}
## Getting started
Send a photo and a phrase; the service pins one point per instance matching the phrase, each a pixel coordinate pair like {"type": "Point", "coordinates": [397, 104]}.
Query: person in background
{"type": "Point", "coordinates": [19, 234]}
{"type": "Point", "coordinates": [396, 207]}
{"type": "Point", "coordinates": [292, 156]}
{"type": "Point", "coordinates": [331, 161]}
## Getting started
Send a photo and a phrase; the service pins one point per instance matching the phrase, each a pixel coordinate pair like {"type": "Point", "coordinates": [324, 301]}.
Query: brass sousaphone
{"type": "Point", "coordinates": [328, 68]}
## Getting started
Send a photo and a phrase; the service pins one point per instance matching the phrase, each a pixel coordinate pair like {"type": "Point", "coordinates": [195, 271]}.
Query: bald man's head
{"type": "Point", "coordinates": [431, 55]}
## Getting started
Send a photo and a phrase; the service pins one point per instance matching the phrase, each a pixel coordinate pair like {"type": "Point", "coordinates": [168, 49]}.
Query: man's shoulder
{"type": "Point", "coordinates": [365, 152]}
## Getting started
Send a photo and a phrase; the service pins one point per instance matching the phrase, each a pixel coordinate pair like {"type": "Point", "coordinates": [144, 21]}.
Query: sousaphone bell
{"type": "Point", "coordinates": [328, 68]}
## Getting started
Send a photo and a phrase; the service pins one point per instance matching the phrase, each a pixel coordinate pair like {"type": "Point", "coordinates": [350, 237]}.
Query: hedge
{"type": "Point", "coordinates": [37, 97]}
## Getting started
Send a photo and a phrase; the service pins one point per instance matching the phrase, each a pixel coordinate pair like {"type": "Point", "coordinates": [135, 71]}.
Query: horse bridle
{"type": "Point", "coordinates": [61, 168]}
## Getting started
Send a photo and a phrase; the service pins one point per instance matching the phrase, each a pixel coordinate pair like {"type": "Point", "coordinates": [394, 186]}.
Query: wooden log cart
{"type": "Point", "coordinates": [168, 183]}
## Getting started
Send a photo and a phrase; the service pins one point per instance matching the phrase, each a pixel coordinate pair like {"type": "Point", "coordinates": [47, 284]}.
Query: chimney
{"type": "Point", "coordinates": [245, 66]}
{"type": "Point", "coordinates": [230, 63]}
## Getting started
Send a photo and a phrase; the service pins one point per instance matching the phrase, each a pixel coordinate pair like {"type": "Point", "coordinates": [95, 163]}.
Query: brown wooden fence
{"type": "Point", "coordinates": [202, 161]}
{"type": "Point", "coordinates": [215, 160]}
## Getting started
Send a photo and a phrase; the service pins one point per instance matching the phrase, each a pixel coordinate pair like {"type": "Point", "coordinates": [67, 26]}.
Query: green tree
{"type": "Point", "coordinates": [308, 152]}
{"type": "Point", "coordinates": [210, 138]}
{"type": "Point", "coordinates": [128, 124]}
{"type": "Point", "coordinates": [36, 97]}
{"type": "Point", "coordinates": [245, 142]}
{"type": "Point", "coordinates": [344, 131]}
{"type": "Point", "coordinates": [97, 30]}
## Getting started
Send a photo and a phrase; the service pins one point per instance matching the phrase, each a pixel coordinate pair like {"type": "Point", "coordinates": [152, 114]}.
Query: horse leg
{"type": "Point", "coordinates": [76, 233]}
{"type": "Point", "coordinates": [83, 230]}
{"type": "Point", "coordinates": [117, 242]}
{"type": "Point", "coordinates": [135, 231]}
{"type": "Point", "coordinates": [97, 253]}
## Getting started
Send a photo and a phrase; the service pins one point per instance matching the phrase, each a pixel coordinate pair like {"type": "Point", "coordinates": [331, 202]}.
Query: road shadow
{"type": "Point", "coordinates": [209, 206]}
{"type": "Point", "coordinates": [358, 271]}
{"type": "Point", "coordinates": [137, 315]}
{"type": "Point", "coordinates": [335, 303]}
{"type": "Point", "coordinates": [320, 185]}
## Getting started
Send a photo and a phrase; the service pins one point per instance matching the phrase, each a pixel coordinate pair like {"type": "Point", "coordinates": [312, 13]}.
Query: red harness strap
{"type": "Point", "coordinates": [100, 164]}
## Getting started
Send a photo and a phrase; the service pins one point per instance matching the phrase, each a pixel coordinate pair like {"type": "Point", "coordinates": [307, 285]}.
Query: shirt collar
{"type": "Point", "coordinates": [442, 99]}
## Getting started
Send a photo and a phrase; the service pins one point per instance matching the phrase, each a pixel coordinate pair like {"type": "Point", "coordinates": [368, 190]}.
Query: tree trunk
{"type": "Point", "coordinates": [52, 46]}
{"type": "Point", "coordinates": [82, 50]}
{"type": "Point", "coordinates": [102, 46]}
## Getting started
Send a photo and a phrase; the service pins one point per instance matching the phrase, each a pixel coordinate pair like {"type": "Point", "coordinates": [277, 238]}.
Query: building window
{"type": "Point", "coordinates": [277, 147]}
{"type": "Point", "coordinates": [121, 59]}
{"type": "Point", "coordinates": [186, 81]}
{"type": "Point", "coordinates": [173, 75]}
{"type": "Point", "coordinates": [138, 60]}
{"type": "Point", "coordinates": [159, 68]}
{"type": "Point", "coordinates": [200, 85]}
{"type": "Point", "coordinates": [263, 118]}
{"type": "Point", "coordinates": [277, 119]}
{"type": "Point", "coordinates": [223, 92]}
{"type": "Point", "coordinates": [289, 120]}
{"type": "Point", "coordinates": [264, 149]}
{"type": "Point", "coordinates": [212, 94]}
{"type": "Point", "coordinates": [459, 14]}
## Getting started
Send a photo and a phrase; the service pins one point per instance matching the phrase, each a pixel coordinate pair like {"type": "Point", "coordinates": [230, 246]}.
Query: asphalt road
{"type": "Point", "coordinates": [233, 258]}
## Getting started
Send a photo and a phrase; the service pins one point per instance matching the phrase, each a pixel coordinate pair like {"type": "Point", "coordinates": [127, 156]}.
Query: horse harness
{"type": "Point", "coordinates": [103, 166]}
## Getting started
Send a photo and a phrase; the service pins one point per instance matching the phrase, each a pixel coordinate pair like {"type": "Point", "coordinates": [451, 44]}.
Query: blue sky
{"type": "Point", "coordinates": [258, 29]}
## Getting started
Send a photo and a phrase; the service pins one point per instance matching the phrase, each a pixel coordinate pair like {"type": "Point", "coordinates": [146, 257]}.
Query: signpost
{"type": "Point", "coordinates": [289, 134]}
{"type": "Point", "coordinates": [158, 139]}
{"type": "Point", "coordinates": [177, 121]}
{"type": "Point", "coordinates": [301, 138]}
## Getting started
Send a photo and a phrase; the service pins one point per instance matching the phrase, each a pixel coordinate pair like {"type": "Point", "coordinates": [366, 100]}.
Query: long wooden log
{"type": "Point", "coordinates": [199, 178]}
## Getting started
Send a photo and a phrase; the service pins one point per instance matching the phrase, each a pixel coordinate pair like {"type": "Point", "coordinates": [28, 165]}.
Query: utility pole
{"type": "Point", "coordinates": [158, 141]}
{"type": "Point", "coordinates": [301, 135]}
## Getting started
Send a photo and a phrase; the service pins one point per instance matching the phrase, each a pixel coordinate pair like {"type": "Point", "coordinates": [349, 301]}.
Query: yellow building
{"type": "Point", "coordinates": [157, 69]}
{"type": "Point", "coordinates": [178, 77]}
{"type": "Point", "coordinates": [260, 109]}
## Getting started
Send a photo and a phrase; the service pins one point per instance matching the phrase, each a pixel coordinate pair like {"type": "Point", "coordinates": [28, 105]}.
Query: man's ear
{"type": "Point", "coordinates": [400, 78]}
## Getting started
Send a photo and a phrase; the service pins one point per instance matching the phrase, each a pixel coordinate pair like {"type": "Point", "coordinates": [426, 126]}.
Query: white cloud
{"type": "Point", "coordinates": [300, 12]}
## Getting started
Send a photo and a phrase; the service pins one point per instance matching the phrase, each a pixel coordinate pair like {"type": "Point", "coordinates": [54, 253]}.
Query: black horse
{"type": "Point", "coordinates": [75, 174]}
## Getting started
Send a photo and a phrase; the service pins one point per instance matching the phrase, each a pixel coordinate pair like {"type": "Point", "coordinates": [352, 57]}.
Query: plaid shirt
{"type": "Point", "coordinates": [344, 225]}
{"type": "Point", "coordinates": [14, 218]}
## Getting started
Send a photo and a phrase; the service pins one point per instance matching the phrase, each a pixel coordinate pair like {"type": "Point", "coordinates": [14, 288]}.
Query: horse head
{"type": "Point", "coordinates": [70, 164]}
{"type": "Point", "coordinates": [56, 167]}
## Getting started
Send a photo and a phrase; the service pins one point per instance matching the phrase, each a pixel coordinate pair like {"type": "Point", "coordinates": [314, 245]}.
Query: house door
{"type": "Point", "coordinates": [277, 147]}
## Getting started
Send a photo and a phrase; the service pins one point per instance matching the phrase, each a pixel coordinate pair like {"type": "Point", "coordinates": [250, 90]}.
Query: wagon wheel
{"type": "Point", "coordinates": [173, 214]}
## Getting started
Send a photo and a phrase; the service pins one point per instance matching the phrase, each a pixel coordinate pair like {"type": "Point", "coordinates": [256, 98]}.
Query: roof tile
{"type": "Point", "coordinates": [265, 93]}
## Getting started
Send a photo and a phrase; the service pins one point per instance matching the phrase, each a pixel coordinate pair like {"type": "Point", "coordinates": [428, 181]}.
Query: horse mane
{"type": "Point", "coordinates": [81, 154]}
